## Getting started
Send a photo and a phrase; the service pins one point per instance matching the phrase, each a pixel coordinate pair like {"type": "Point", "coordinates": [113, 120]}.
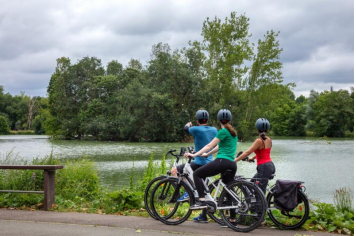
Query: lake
{"type": "Point", "coordinates": [324, 165]}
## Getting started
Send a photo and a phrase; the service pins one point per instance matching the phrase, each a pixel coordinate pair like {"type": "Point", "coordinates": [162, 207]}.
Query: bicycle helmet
{"type": "Point", "coordinates": [202, 116]}
{"type": "Point", "coordinates": [224, 116]}
{"type": "Point", "coordinates": [262, 125]}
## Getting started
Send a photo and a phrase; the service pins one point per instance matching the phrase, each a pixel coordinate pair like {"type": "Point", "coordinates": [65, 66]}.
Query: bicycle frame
{"type": "Point", "coordinates": [188, 175]}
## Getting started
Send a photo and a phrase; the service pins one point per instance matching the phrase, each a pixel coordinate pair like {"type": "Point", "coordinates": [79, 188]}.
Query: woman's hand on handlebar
{"type": "Point", "coordinates": [188, 154]}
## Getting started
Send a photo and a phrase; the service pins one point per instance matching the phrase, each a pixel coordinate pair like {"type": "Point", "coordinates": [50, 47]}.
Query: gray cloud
{"type": "Point", "coordinates": [317, 36]}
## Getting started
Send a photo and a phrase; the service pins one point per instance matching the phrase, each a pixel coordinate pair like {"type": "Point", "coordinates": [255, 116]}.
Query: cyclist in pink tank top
{"type": "Point", "coordinates": [262, 148]}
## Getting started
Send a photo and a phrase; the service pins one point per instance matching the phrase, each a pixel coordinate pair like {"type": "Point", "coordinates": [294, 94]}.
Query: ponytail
{"type": "Point", "coordinates": [230, 129]}
{"type": "Point", "coordinates": [263, 135]}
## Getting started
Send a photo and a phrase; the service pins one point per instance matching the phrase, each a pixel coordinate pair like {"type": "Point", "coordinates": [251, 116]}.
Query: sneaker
{"type": "Point", "coordinates": [183, 198]}
{"type": "Point", "coordinates": [200, 219]}
{"type": "Point", "coordinates": [199, 205]}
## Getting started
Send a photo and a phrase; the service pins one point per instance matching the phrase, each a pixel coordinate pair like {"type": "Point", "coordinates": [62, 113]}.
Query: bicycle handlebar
{"type": "Point", "coordinates": [182, 152]}
{"type": "Point", "coordinates": [245, 159]}
{"type": "Point", "coordinates": [171, 151]}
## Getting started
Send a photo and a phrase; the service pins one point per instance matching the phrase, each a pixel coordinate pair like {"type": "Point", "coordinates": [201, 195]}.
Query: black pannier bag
{"type": "Point", "coordinates": [286, 194]}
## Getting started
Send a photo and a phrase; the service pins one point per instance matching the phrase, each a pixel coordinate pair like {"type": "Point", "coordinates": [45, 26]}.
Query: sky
{"type": "Point", "coordinates": [317, 37]}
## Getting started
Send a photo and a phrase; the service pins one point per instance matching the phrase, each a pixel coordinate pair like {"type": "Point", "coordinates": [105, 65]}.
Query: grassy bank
{"type": "Point", "coordinates": [21, 132]}
{"type": "Point", "coordinates": [78, 190]}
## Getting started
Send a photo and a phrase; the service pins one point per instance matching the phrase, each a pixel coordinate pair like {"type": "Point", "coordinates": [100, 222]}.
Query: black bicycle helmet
{"type": "Point", "coordinates": [262, 125]}
{"type": "Point", "coordinates": [202, 116]}
{"type": "Point", "coordinates": [224, 116]}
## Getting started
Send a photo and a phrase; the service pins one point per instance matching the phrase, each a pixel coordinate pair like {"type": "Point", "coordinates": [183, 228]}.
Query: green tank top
{"type": "Point", "coordinates": [227, 145]}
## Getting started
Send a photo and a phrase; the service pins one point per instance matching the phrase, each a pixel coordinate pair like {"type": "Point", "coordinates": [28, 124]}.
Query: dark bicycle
{"type": "Point", "coordinates": [159, 178]}
{"type": "Point", "coordinates": [287, 219]}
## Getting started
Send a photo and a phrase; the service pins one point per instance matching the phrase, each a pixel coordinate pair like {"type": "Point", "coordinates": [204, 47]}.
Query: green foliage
{"type": "Point", "coordinates": [148, 174]}
{"type": "Point", "coordinates": [343, 200]}
{"type": "Point", "coordinates": [153, 102]}
{"type": "Point", "coordinates": [126, 199]}
{"type": "Point", "coordinates": [333, 112]}
{"type": "Point", "coordinates": [4, 126]}
{"type": "Point", "coordinates": [77, 187]}
{"type": "Point", "coordinates": [78, 179]}
{"type": "Point", "coordinates": [22, 132]}
{"type": "Point", "coordinates": [23, 113]}
{"type": "Point", "coordinates": [325, 216]}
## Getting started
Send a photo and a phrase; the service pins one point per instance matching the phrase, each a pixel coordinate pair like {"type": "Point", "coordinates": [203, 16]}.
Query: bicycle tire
{"type": "Point", "coordinates": [288, 220]}
{"type": "Point", "coordinates": [212, 215]}
{"type": "Point", "coordinates": [168, 212]}
{"type": "Point", "coordinates": [252, 210]}
{"type": "Point", "coordinates": [147, 194]}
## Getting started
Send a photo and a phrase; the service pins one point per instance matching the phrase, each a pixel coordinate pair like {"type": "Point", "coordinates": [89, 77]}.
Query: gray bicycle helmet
{"type": "Point", "coordinates": [224, 116]}
{"type": "Point", "coordinates": [202, 116]}
{"type": "Point", "coordinates": [262, 125]}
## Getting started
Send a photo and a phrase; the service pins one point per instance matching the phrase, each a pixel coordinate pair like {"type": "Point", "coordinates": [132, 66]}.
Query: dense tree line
{"type": "Point", "coordinates": [153, 102]}
{"type": "Point", "coordinates": [22, 112]}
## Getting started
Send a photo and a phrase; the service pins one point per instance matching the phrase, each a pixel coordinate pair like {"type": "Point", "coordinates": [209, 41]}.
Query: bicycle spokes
{"type": "Point", "coordinates": [246, 206]}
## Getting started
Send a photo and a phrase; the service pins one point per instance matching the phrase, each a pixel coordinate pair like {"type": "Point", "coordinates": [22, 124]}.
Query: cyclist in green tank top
{"type": "Point", "coordinates": [225, 144]}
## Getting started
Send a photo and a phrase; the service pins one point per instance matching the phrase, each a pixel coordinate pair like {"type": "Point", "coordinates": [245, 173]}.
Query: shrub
{"type": "Point", "coordinates": [324, 216]}
{"type": "Point", "coordinates": [78, 180]}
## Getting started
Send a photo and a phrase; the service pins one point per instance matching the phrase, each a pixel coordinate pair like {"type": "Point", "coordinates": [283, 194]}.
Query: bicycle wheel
{"type": "Point", "coordinates": [291, 219]}
{"type": "Point", "coordinates": [164, 202]}
{"type": "Point", "coordinates": [246, 202]}
{"type": "Point", "coordinates": [215, 215]}
{"type": "Point", "coordinates": [147, 194]}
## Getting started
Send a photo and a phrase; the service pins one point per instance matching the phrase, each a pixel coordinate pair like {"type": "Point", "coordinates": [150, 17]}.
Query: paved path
{"type": "Point", "coordinates": [16, 222]}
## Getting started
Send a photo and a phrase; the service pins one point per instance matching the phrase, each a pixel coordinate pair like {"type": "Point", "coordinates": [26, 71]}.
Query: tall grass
{"type": "Point", "coordinates": [77, 185]}
{"type": "Point", "coordinates": [343, 199]}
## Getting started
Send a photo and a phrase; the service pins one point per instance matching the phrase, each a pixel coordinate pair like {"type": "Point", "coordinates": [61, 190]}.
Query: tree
{"type": "Point", "coordinates": [300, 99]}
{"type": "Point", "coordinates": [69, 95]}
{"type": "Point", "coordinates": [4, 126]}
{"type": "Point", "coordinates": [297, 121]}
{"type": "Point", "coordinates": [114, 68]}
{"type": "Point", "coordinates": [332, 112]}
{"type": "Point", "coordinates": [33, 106]}
{"type": "Point", "coordinates": [227, 47]}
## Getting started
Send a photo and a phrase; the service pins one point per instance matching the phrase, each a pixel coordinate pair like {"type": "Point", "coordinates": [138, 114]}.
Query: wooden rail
{"type": "Point", "coordinates": [49, 181]}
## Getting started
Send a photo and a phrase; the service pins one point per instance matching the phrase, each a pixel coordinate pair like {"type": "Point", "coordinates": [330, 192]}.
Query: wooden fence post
{"type": "Point", "coordinates": [49, 189]}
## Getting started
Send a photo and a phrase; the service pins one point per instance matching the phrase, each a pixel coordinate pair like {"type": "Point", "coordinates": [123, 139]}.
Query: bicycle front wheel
{"type": "Point", "coordinates": [213, 189]}
{"type": "Point", "coordinates": [148, 191]}
{"type": "Point", "coordinates": [289, 219]}
{"type": "Point", "coordinates": [244, 206]}
{"type": "Point", "coordinates": [165, 204]}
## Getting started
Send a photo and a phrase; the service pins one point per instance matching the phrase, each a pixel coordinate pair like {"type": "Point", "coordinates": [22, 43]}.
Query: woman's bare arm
{"type": "Point", "coordinates": [215, 150]}
{"type": "Point", "coordinates": [207, 147]}
{"type": "Point", "coordinates": [254, 146]}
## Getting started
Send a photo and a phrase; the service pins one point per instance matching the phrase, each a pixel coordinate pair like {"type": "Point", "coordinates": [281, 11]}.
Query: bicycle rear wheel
{"type": "Point", "coordinates": [164, 202]}
{"type": "Point", "coordinates": [148, 191]}
{"type": "Point", "coordinates": [247, 202]}
{"type": "Point", "coordinates": [291, 219]}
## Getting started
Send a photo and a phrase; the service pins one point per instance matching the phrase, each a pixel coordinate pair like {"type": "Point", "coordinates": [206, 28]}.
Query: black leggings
{"type": "Point", "coordinates": [218, 166]}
